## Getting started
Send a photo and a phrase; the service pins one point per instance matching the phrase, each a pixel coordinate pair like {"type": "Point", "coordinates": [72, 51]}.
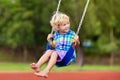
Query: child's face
{"type": "Point", "coordinates": [64, 27]}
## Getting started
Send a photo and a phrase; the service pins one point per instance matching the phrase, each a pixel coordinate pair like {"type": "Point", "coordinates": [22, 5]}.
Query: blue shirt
{"type": "Point", "coordinates": [63, 41]}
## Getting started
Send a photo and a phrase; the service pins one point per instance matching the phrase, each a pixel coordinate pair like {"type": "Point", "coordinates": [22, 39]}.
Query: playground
{"type": "Point", "coordinates": [25, 25]}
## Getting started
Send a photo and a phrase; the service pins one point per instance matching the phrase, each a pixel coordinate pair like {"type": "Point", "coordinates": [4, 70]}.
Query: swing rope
{"type": "Point", "coordinates": [56, 12]}
{"type": "Point", "coordinates": [82, 18]}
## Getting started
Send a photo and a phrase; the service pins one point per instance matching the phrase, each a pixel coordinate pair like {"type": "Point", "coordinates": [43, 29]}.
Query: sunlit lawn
{"type": "Point", "coordinates": [73, 67]}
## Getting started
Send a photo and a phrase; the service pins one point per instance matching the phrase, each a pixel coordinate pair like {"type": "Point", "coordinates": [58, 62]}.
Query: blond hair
{"type": "Point", "coordinates": [58, 19]}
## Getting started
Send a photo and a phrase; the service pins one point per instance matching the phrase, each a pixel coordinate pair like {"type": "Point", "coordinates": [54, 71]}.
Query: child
{"type": "Point", "coordinates": [62, 40]}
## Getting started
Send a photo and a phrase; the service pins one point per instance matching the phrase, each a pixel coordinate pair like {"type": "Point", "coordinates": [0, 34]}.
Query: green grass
{"type": "Point", "coordinates": [88, 67]}
{"type": "Point", "coordinates": [14, 67]}
{"type": "Point", "coordinates": [26, 67]}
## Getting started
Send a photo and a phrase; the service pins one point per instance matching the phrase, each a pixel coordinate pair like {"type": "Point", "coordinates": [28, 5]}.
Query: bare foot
{"type": "Point", "coordinates": [43, 73]}
{"type": "Point", "coordinates": [34, 67]}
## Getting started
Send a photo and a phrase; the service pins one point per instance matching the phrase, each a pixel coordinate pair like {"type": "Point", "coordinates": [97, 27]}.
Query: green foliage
{"type": "Point", "coordinates": [103, 23]}
{"type": "Point", "coordinates": [26, 22]}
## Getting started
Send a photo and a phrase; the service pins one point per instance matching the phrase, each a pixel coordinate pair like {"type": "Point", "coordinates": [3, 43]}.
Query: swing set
{"type": "Point", "coordinates": [69, 55]}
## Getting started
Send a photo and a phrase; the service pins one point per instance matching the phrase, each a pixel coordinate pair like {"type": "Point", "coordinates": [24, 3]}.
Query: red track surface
{"type": "Point", "coordinates": [81, 75]}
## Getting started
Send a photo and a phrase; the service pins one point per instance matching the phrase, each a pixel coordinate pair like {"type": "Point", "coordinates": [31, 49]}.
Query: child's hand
{"type": "Point", "coordinates": [49, 37]}
{"type": "Point", "coordinates": [76, 39]}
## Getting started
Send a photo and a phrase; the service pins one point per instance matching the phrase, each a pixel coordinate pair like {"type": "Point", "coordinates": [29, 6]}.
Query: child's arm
{"type": "Point", "coordinates": [76, 39]}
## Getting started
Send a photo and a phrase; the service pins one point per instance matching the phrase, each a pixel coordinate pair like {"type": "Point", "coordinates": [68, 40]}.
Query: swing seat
{"type": "Point", "coordinates": [68, 57]}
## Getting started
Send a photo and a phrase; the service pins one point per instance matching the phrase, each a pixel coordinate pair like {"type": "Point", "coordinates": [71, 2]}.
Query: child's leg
{"type": "Point", "coordinates": [51, 63]}
{"type": "Point", "coordinates": [41, 61]}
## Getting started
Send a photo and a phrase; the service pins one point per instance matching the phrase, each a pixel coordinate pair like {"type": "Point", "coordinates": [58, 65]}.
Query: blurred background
{"type": "Point", "coordinates": [25, 24]}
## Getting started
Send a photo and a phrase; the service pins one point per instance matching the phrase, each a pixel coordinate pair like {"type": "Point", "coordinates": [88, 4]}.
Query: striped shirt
{"type": "Point", "coordinates": [63, 41]}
